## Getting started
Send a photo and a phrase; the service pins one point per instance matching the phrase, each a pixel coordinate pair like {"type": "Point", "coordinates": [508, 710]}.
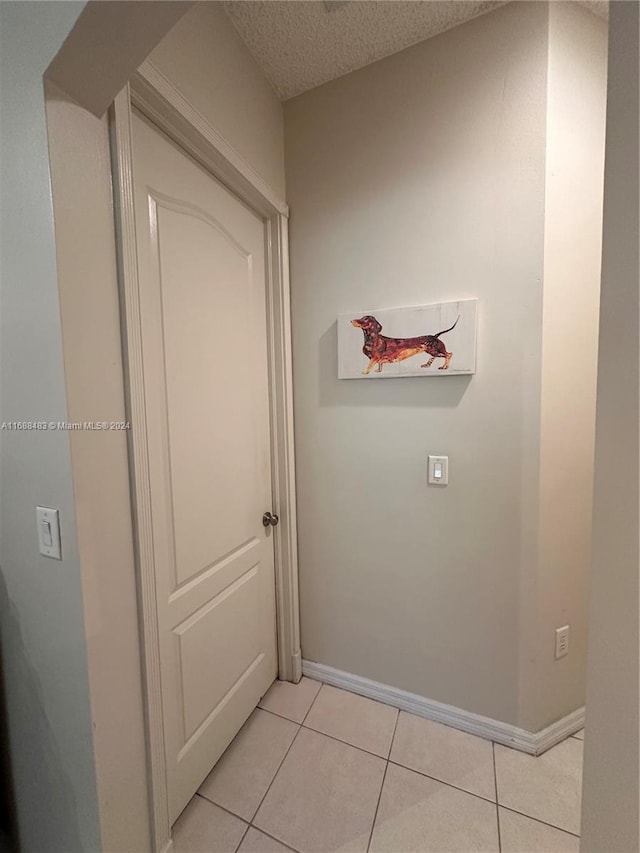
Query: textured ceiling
{"type": "Point", "coordinates": [300, 44]}
{"type": "Point", "coordinates": [598, 7]}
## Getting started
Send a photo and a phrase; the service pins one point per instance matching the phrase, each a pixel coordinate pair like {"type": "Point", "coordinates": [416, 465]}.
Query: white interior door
{"type": "Point", "coordinates": [201, 262]}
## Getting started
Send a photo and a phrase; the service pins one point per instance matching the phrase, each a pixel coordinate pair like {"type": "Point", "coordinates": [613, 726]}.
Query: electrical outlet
{"type": "Point", "coordinates": [562, 641]}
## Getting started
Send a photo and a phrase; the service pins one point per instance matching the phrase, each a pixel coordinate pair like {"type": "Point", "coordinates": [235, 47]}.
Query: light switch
{"type": "Point", "coordinates": [45, 534]}
{"type": "Point", "coordinates": [438, 470]}
{"type": "Point", "coordinates": [48, 532]}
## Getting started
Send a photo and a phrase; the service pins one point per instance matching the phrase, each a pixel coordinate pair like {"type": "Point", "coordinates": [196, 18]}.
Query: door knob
{"type": "Point", "coordinates": [270, 519]}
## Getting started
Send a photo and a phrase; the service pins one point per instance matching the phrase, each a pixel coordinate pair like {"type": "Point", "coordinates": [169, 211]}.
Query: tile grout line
{"type": "Point", "coordinates": [249, 825]}
{"type": "Point", "coordinates": [346, 743]}
{"type": "Point", "coordinates": [283, 717]}
{"type": "Point", "coordinates": [308, 728]}
{"type": "Point", "coordinates": [442, 782]}
{"type": "Point", "coordinates": [333, 737]}
{"type": "Point", "coordinates": [524, 814]}
{"type": "Point", "coordinates": [224, 808]}
{"type": "Point", "coordinates": [393, 736]}
{"type": "Point", "coordinates": [495, 782]}
{"type": "Point", "coordinates": [538, 820]}
{"type": "Point", "coordinates": [279, 716]}
{"type": "Point", "coordinates": [304, 719]}
{"type": "Point", "coordinates": [247, 828]}
{"type": "Point", "coordinates": [274, 778]}
{"type": "Point", "coordinates": [388, 761]}
{"type": "Point", "coordinates": [273, 838]}
{"type": "Point", "coordinates": [382, 758]}
{"type": "Point", "coordinates": [300, 725]}
{"type": "Point", "coordinates": [375, 814]}
{"type": "Point", "coordinates": [384, 776]}
{"type": "Point", "coordinates": [250, 821]}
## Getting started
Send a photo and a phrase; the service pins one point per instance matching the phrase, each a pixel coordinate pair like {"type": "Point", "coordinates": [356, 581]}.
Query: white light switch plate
{"type": "Point", "coordinates": [438, 471]}
{"type": "Point", "coordinates": [562, 641]}
{"type": "Point", "coordinates": [48, 523]}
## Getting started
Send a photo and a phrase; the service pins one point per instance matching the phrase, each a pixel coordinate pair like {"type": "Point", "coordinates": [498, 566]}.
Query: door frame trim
{"type": "Point", "coordinates": [153, 95]}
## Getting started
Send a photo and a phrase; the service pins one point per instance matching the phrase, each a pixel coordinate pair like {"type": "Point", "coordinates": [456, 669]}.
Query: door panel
{"type": "Point", "coordinates": [201, 266]}
{"type": "Point", "coordinates": [199, 343]}
{"type": "Point", "coordinates": [204, 640]}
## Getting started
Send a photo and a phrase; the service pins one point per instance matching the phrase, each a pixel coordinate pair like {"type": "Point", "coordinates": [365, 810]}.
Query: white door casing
{"type": "Point", "coordinates": [159, 101]}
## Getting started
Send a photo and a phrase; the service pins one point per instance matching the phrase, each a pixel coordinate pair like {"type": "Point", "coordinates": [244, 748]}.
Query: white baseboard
{"type": "Point", "coordinates": [534, 743]}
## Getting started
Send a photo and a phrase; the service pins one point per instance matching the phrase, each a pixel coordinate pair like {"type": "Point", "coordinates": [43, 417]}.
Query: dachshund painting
{"type": "Point", "coordinates": [381, 350]}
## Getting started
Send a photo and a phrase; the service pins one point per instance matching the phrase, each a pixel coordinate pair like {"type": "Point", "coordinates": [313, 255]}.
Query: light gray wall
{"type": "Point", "coordinates": [576, 104]}
{"type": "Point", "coordinates": [41, 614]}
{"type": "Point", "coordinates": [610, 793]}
{"type": "Point", "coordinates": [416, 180]}
{"type": "Point", "coordinates": [79, 160]}
{"type": "Point", "coordinates": [468, 165]}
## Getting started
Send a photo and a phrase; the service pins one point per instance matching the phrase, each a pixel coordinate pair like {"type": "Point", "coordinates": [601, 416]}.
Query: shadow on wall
{"type": "Point", "coordinates": [406, 391]}
{"type": "Point", "coordinates": [41, 755]}
{"type": "Point", "coordinates": [8, 822]}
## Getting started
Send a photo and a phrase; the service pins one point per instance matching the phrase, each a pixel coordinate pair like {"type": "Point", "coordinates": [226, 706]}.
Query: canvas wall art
{"type": "Point", "coordinates": [427, 340]}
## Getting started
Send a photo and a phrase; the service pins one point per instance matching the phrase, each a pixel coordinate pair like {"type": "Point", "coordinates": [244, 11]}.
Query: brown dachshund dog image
{"type": "Point", "coordinates": [382, 350]}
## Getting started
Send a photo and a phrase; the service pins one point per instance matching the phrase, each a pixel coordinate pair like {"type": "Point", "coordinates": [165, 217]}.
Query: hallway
{"type": "Point", "coordinates": [316, 769]}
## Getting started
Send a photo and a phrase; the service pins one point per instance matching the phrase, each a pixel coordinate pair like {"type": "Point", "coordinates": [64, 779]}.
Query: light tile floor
{"type": "Point", "coordinates": [320, 770]}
